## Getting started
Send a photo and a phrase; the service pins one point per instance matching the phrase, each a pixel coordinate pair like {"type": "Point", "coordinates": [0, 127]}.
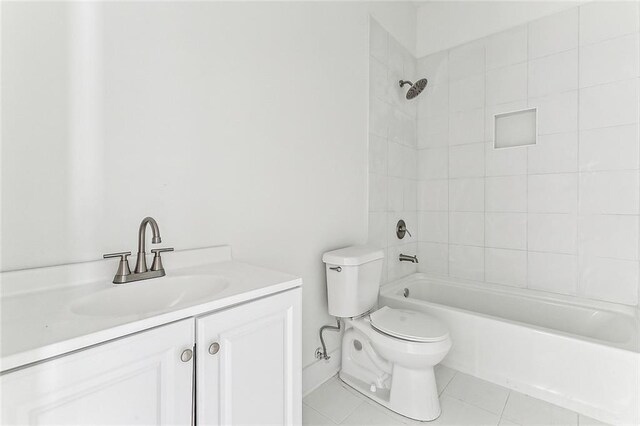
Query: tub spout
{"type": "Point", "coordinates": [407, 258]}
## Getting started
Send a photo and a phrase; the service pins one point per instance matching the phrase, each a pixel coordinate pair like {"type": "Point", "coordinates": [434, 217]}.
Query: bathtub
{"type": "Point", "coordinates": [581, 356]}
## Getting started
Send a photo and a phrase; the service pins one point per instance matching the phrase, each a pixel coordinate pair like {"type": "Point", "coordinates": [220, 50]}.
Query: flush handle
{"type": "Point", "coordinates": [336, 268]}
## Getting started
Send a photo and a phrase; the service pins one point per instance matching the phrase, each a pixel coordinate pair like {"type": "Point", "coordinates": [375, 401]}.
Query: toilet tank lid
{"type": "Point", "coordinates": [353, 255]}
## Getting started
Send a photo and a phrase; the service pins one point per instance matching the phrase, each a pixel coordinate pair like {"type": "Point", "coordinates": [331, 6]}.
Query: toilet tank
{"type": "Point", "coordinates": [353, 279]}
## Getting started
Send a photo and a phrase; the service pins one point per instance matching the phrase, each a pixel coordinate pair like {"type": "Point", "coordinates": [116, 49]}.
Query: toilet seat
{"type": "Point", "coordinates": [408, 325]}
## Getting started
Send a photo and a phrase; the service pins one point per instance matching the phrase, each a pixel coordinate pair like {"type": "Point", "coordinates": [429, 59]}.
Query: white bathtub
{"type": "Point", "coordinates": [582, 356]}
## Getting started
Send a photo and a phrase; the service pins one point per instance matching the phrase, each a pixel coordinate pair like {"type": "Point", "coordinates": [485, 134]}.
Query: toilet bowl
{"type": "Point", "coordinates": [387, 354]}
{"type": "Point", "coordinates": [392, 366]}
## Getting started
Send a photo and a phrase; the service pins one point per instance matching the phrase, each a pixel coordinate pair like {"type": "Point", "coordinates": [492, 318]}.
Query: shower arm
{"type": "Point", "coordinates": [403, 82]}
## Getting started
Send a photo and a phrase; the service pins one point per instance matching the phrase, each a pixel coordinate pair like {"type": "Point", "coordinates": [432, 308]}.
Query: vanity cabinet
{"type": "Point", "coordinates": [139, 379]}
{"type": "Point", "coordinates": [249, 364]}
{"type": "Point", "coordinates": [246, 362]}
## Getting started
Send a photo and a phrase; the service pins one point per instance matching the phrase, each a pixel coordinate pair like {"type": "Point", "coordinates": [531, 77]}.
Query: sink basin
{"type": "Point", "coordinates": [142, 297]}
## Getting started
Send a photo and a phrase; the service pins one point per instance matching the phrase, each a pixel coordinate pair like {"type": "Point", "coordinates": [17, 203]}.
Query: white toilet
{"type": "Point", "coordinates": [387, 354]}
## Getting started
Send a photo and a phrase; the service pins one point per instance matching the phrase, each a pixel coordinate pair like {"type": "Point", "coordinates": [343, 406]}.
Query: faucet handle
{"type": "Point", "coordinates": [122, 255]}
{"type": "Point", "coordinates": [123, 266]}
{"type": "Point", "coordinates": [157, 260]}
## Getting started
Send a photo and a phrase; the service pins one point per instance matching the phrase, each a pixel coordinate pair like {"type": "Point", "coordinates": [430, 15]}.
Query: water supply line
{"type": "Point", "coordinates": [322, 353]}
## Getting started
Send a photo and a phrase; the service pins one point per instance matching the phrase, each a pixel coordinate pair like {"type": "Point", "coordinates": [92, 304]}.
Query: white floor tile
{"type": "Point", "coordinates": [443, 377]}
{"type": "Point", "coordinates": [333, 401]}
{"type": "Point", "coordinates": [482, 394]}
{"type": "Point", "coordinates": [311, 417]}
{"type": "Point", "coordinates": [526, 410]}
{"type": "Point", "coordinates": [367, 414]}
{"type": "Point", "coordinates": [456, 412]}
{"type": "Point", "coordinates": [588, 421]}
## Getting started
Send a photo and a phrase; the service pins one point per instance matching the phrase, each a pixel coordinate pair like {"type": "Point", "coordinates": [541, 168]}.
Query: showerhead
{"type": "Point", "coordinates": [416, 88]}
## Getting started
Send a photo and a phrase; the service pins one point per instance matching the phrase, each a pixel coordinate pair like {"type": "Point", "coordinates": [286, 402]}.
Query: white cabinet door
{"type": "Point", "coordinates": [135, 380]}
{"type": "Point", "coordinates": [254, 378]}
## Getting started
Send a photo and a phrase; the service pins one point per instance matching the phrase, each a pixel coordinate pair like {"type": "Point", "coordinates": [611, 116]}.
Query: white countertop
{"type": "Point", "coordinates": [37, 323]}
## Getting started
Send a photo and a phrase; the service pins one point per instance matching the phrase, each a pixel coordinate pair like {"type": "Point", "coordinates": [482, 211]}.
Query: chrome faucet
{"type": "Point", "coordinates": [407, 258]}
{"type": "Point", "coordinates": [141, 272]}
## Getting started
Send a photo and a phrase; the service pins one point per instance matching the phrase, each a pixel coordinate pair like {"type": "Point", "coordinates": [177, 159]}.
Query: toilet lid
{"type": "Point", "coordinates": [408, 325]}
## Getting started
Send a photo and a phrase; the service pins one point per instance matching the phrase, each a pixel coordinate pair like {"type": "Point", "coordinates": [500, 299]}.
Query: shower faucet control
{"type": "Point", "coordinates": [123, 274]}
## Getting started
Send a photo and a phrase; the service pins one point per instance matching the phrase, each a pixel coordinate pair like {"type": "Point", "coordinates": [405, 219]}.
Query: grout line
{"type": "Point", "coordinates": [505, 406]}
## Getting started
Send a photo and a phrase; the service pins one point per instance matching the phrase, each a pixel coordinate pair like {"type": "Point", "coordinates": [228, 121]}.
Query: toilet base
{"type": "Point", "coordinates": [413, 393]}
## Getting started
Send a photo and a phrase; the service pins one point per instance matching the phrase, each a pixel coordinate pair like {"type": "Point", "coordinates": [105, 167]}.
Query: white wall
{"type": "Point", "coordinates": [445, 24]}
{"type": "Point", "coordinates": [230, 123]}
{"type": "Point", "coordinates": [561, 216]}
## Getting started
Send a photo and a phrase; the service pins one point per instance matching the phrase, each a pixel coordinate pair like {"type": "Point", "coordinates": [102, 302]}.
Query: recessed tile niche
{"type": "Point", "coordinates": [516, 128]}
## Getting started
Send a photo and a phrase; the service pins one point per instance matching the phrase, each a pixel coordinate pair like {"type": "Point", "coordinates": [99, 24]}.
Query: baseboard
{"type": "Point", "coordinates": [315, 374]}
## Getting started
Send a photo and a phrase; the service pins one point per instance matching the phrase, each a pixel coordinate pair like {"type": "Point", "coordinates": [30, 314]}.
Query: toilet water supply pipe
{"type": "Point", "coordinates": [324, 355]}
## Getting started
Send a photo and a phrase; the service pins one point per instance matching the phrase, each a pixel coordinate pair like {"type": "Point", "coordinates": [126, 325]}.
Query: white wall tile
{"type": "Point", "coordinates": [555, 153]}
{"type": "Point", "coordinates": [506, 48]}
{"type": "Point", "coordinates": [433, 195]}
{"type": "Point", "coordinates": [466, 228]}
{"type": "Point", "coordinates": [557, 113]}
{"type": "Point", "coordinates": [377, 154]}
{"type": "Point", "coordinates": [506, 267]}
{"type": "Point", "coordinates": [610, 61]}
{"type": "Point", "coordinates": [506, 84]}
{"type": "Point", "coordinates": [556, 233]}
{"type": "Point", "coordinates": [377, 227]}
{"type": "Point", "coordinates": [466, 127]}
{"type": "Point", "coordinates": [614, 236]}
{"type": "Point", "coordinates": [466, 195]}
{"type": "Point", "coordinates": [505, 162]}
{"type": "Point", "coordinates": [433, 257]}
{"type": "Point", "coordinates": [433, 163]}
{"type": "Point", "coordinates": [466, 262]}
{"type": "Point", "coordinates": [506, 194]}
{"type": "Point", "coordinates": [553, 34]}
{"type": "Point", "coordinates": [378, 41]}
{"type": "Point", "coordinates": [434, 227]}
{"type": "Point", "coordinates": [610, 148]}
{"type": "Point", "coordinates": [433, 101]}
{"type": "Point", "coordinates": [611, 280]}
{"type": "Point", "coordinates": [614, 192]}
{"type": "Point", "coordinates": [553, 74]}
{"type": "Point", "coordinates": [466, 61]}
{"type": "Point", "coordinates": [395, 194]}
{"type": "Point", "coordinates": [466, 160]}
{"type": "Point", "coordinates": [610, 104]}
{"type": "Point", "coordinates": [396, 55]}
{"type": "Point", "coordinates": [377, 192]}
{"type": "Point", "coordinates": [434, 67]}
{"type": "Point", "coordinates": [553, 193]}
{"type": "Point", "coordinates": [377, 78]}
{"type": "Point", "coordinates": [410, 196]}
{"type": "Point", "coordinates": [602, 20]}
{"type": "Point", "coordinates": [379, 117]}
{"type": "Point", "coordinates": [467, 93]}
{"type": "Point", "coordinates": [396, 160]}
{"type": "Point", "coordinates": [506, 230]}
{"type": "Point", "coordinates": [557, 273]}
{"type": "Point", "coordinates": [433, 132]}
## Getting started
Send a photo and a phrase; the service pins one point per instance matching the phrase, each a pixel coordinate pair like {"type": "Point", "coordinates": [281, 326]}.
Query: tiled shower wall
{"type": "Point", "coordinates": [393, 160]}
{"type": "Point", "coordinates": [560, 216]}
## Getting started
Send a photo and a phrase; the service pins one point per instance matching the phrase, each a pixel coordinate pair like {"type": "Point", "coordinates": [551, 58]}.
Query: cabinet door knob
{"type": "Point", "coordinates": [186, 355]}
{"type": "Point", "coordinates": [214, 348]}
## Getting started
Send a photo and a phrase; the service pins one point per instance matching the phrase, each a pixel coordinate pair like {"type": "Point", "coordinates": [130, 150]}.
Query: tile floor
{"type": "Point", "coordinates": [465, 400]}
